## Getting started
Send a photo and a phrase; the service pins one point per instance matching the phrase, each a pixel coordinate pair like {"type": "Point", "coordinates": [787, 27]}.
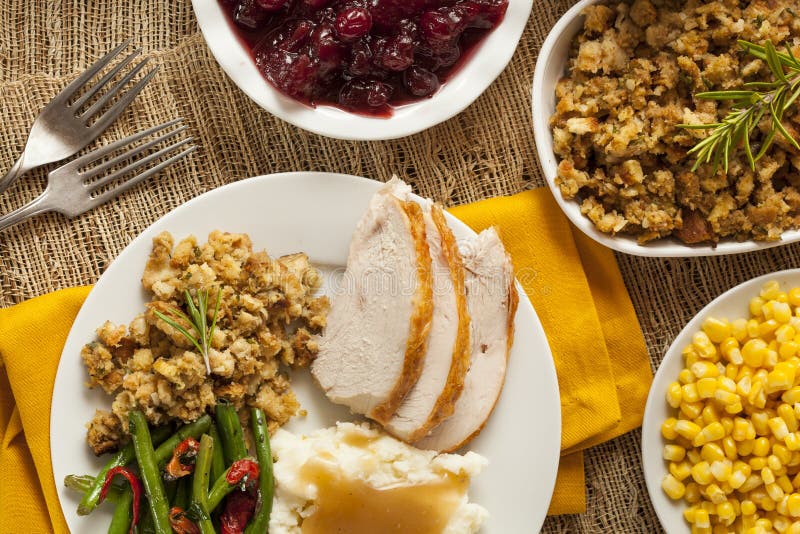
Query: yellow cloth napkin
{"type": "Point", "coordinates": [574, 284]}
{"type": "Point", "coordinates": [576, 288]}
{"type": "Point", "coordinates": [32, 335]}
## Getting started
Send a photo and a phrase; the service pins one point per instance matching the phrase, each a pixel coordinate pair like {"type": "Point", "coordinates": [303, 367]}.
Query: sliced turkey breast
{"type": "Point", "coordinates": [492, 303]}
{"type": "Point", "coordinates": [433, 397]}
{"type": "Point", "coordinates": [372, 350]}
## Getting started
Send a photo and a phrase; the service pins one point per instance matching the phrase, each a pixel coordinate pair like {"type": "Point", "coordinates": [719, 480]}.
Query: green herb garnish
{"type": "Point", "coordinates": [197, 318]}
{"type": "Point", "coordinates": [750, 105]}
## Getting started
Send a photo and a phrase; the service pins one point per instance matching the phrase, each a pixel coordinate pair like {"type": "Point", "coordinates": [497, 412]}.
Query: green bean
{"type": "Point", "coordinates": [149, 470]}
{"type": "Point", "coordinates": [82, 484]}
{"type": "Point", "coordinates": [121, 520]}
{"type": "Point", "coordinates": [182, 495]}
{"type": "Point", "coordinates": [219, 490]}
{"type": "Point", "coordinates": [230, 432]}
{"type": "Point", "coordinates": [266, 482]}
{"type": "Point", "coordinates": [202, 469]}
{"type": "Point", "coordinates": [125, 456]}
{"type": "Point", "coordinates": [217, 459]}
{"type": "Point", "coordinates": [164, 452]}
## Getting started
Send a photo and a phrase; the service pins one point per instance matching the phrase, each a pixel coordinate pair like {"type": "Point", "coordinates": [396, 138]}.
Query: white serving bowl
{"type": "Point", "coordinates": [732, 304]}
{"type": "Point", "coordinates": [469, 82]}
{"type": "Point", "coordinates": [550, 67]}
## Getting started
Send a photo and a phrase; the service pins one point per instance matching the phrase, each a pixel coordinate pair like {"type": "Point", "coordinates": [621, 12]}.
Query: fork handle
{"type": "Point", "coordinates": [16, 171]}
{"type": "Point", "coordinates": [34, 207]}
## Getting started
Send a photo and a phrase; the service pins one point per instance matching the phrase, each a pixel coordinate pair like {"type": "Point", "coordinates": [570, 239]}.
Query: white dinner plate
{"type": "Point", "coordinates": [316, 213]}
{"type": "Point", "coordinates": [488, 60]}
{"type": "Point", "coordinates": [732, 304]}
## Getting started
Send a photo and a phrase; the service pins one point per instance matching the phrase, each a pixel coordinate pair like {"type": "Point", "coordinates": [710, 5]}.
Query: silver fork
{"type": "Point", "coordinates": [71, 190]}
{"type": "Point", "coordinates": [59, 131]}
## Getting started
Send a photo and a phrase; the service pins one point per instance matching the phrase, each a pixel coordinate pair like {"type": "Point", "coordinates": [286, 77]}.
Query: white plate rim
{"type": "Point", "coordinates": [460, 91]}
{"type": "Point", "coordinates": [669, 512]}
{"type": "Point", "coordinates": [551, 56]}
{"type": "Point", "coordinates": [549, 440]}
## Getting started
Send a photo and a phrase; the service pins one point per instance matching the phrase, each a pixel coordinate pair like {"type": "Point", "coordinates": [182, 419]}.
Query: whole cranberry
{"type": "Point", "coordinates": [420, 82]}
{"type": "Point", "coordinates": [294, 37]}
{"type": "Point", "coordinates": [359, 94]}
{"type": "Point", "coordinates": [249, 15]}
{"type": "Point", "coordinates": [326, 48]}
{"type": "Point", "coordinates": [448, 57]}
{"type": "Point", "coordinates": [272, 5]}
{"type": "Point", "coordinates": [437, 27]}
{"type": "Point", "coordinates": [316, 4]}
{"type": "Point", "coordinates": [294, 74]}
{"type": "Point", "coordinates": [360, 62]}
{"type": "Point", "coordinates": [353, 23]}
{"type": "Point", "coordinates": [397, 54]}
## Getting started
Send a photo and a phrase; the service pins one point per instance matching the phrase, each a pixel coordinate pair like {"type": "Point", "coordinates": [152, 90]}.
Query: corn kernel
{"type": "Point", "coordinates": [793, 504]}
{"type": "Point", "coordinates": [791, 396]}
{"type": "Point", "coordinates": [730, 370]}
{"type": "Point", "coordinates": [754, 352]}
{"type": "Point", "coordinates": [701, 473]}
{"type": "Point", "coordinates": [725, 397]}
{"type": "Point", "coordinates": [768, 327]}
{"type": "Point", "coordinates": [756, 305]}
{"type": "Point", "coordinates": [689, 393]}
{"type": "Point", "coordinates": [792, 441]}
{"type": "Point", "coordinates": [758, 462]}
{"type": "Point", "coordinates": [704, 369]}
{"type": "Point", "coordinates": [715, 431]}
{"type": "Point", "coordinates": [674, 453]}
{"type": "Point", "coordinates": [770, 290]}
{"type": "Point", "coordinates": [685, 376]}
{"type": "Point", "coordinates": [693, 455]}
{"type": "Point", "coordinates": [721, 470]}
{"type": "Point", "coordinates": [767, 476]}
{"type": "Point", "coordinates": [711, 452]}
{"type": "Point", "coordinates": [717, 330]}
{"type": "Point", "coordinates": [752, 482]}
{"type": "Point", "coordinates": [680, 470]}
{"type": "Point", "coordinates": [774, 463]}
{"type": "Point", "coordinates": [785, 484]}
{"type": "Point", "coordinates": [739, 329]}
{"type": "Point", "coordinates": [794, 528]}
{"type": "Point", "coordinates": [748, 507]}
{"type": "Point", "coordinates": [774, 491]}
{"type": "Point", "coordinates": [716, 494]}
{"type": "Point", "coordinates": [735, 408]}
{"type": "Point", "coordinates": [674, 394]}
{"type": "Point", "coordinates": [709, 415]}
{"type": "Point", "coordinates": [782, 453]}
{"type": "Point", "coordinates": [780, 378]}
{"type": "Point", "coordinates": [705, 389]}
{"type": "Point", "coordinates": [786, 413]}
{"type": "Point", "coordinates": [742, 429]}
{"type": "Point", "coordinates": [759, 420]}
{"type": "Point", "coordinates": [745, 447]}
{"type": "Point", "coordinates": [673, 487]}
{"type": "Point", "coordinates": [701, 518]}
{"type": "Point", "coordinates": [761, 447]}
{"type": "Point", "coordinates": [725, 510]}
{"type": "Point", "coordinates": [752, 328]}
{"type": "Point", "coordinates": [729, 447]}
{"type": "Point", "coordinates": [781, 312]}
{"type": "Point", "coordinates": [794, 296]}
{"type": "Point", "coordinates": [788, 349]}
{"type": "Point", "coordinates": [688, 514]}
{"type": "Point", "coordinates": [703, 346]}
{"type": "Point", "coordinates": [778, 427]}
{"type": "Point", "coordinates": [785, 333]}
{"type": "Point", "coordinates": [692, 495]}
{"type": "Point", "coordinates": [691, 410]}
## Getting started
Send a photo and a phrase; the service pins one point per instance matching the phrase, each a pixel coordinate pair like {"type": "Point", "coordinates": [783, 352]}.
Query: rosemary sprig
{"type": "Point", "coordinates": [750, 104]}
{"type": "Point", "coordinates": [197, 318]}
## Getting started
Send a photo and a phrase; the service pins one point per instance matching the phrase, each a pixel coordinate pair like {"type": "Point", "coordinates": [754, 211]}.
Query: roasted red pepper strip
{"type": "Point", "coordinates": [241, 469]}
{"type": "Point", "coordinates": [180, 523]}
{"type": "Point", "coordinates": [183, 459]}
{"type": "Point", "coordinates": [136, 489]}
{"type": "Point", "coordinates": [239, 509]}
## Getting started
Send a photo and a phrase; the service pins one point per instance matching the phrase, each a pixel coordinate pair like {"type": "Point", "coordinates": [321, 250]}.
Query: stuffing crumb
{"type": "Point", "coordinates": [632, 74]}
{"type": "Point", "coordinates": [267, 319]}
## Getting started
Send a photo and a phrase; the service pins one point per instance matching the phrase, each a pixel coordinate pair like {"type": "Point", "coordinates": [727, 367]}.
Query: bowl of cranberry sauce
{"type": "Point", "coordinates": [363, 69]}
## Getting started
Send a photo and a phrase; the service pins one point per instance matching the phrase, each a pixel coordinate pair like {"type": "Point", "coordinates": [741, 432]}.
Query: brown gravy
{"type": "Point", "coordinates": [347, 506]}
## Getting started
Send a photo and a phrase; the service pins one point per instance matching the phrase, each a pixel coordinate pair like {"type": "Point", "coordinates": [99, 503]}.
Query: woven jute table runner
{"type": "Point", "coordinates": [487, 150]}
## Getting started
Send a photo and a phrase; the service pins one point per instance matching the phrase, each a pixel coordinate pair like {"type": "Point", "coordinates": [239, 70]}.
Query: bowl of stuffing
{"type": "Point", "coordinates": [363, 70]}
{"type": "Point", "coordinates": [654, 127]}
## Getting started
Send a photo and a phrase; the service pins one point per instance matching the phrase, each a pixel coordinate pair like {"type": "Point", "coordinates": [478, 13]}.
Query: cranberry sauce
{"type": "Point", "coordinates": [364, 56]}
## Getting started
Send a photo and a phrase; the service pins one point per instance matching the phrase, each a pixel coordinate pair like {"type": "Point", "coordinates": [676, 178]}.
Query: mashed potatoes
{"type": "Point", "coordinates": [354, 476]}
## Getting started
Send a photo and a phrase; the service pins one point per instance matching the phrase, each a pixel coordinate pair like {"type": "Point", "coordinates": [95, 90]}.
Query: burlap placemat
{"type": "Point", "coordinates": [487, 150]}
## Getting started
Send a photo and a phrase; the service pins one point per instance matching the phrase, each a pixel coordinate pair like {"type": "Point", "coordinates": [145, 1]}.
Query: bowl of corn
{"type": "Point", "coordinates": [721, 431]}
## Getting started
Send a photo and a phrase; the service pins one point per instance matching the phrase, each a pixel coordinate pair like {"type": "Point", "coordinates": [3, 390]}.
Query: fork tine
{"type": "Point", "coordinates": [94, 171]}
{"type": "Point", "coordinates": [89, 73]}
{"type": "Point", "coordinates": [105, 79]}
{"type": "Point", "coordinates": [94, 186]}
{"type": "Point", "coordinates": [121, 188]}
{"type": "Point", "coordinates": [103, 100]}
{"type": "Point", "coordinates": [103, 151]}
{"type": "Point", "coordinates": [114, 111]}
